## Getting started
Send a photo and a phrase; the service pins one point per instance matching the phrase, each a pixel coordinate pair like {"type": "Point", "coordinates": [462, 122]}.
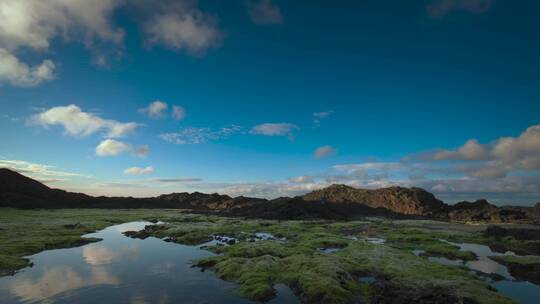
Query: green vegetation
{"type": "Point", "coordinates": [24, 233]}
{"type": "Point", "coordinates": [296, 255]}
{"type": "Point", "coordinates": [521, 260]}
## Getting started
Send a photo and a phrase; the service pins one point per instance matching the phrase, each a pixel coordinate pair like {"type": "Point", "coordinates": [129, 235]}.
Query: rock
{"type": "Point", "coordinates": [409, 201]}
{"type": "Point", "coordinates": [337, 202]}
{"type": "Point", "coordinates": [516, 233]}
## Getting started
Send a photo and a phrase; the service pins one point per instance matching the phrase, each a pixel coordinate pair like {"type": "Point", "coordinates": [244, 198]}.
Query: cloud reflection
{"type": "Point", "coordinates": [57, 280]}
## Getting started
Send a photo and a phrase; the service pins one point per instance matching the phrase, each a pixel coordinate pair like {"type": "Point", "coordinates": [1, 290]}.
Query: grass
{"type": "Point", "coordinates": [297, 261]}
{"type": "Point", "coordinates": [521, 260]}
{"type": "Point", "coordinates": [24, 233]}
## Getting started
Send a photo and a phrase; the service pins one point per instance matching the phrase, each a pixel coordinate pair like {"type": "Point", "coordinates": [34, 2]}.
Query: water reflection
{"type": "Point", "coordinates": [524, 292]}
{"type": "Point", "coordinates": [122, 270]}
{"type": "Point", "coordinates": [57, 280]}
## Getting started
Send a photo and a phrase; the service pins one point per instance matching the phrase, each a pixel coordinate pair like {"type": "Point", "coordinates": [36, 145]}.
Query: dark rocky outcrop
{"type": "Point", "coordinates": [410, 201]}
{"type": "Point", "coordinates": [516, 233]}
{"type": "Point", "coordinates": [482, 210]}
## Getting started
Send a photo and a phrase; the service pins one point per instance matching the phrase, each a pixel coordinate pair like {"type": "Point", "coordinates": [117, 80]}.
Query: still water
{"type": "Point", "coordinates": [522, 291]}
{"type": "Point", "coordinates": [119, 269]}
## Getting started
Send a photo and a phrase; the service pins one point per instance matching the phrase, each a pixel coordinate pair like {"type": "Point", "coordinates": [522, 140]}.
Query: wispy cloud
{"type": "Point", "coordinates": [441, 8]}
{"type": "Point", "coordinates": [181, 26]}
{"type": "Point", "coordinates": [178, 112]}
{"type": "Point", "coordinates": [264, 12]}
{"type": "Point", "coordinates": [319, 116]}
{"type": "Point", "coordinates": [41, 172]}
{"type": "Point", "coordinates": [275, 129]}
{"type": "Point", "coordinates": [138, 170]}
{"type": "Point", "coordinates": [155, 109]}
{"type": "Point", "coordinates": [324, 151]}
{"type": "Point", "coordinates": [193, 135]}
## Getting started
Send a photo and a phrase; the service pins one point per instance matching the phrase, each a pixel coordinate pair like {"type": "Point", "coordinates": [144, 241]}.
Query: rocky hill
{"type": "Point", "coordinates": [334, 202]}
{"type": "Point", "coordinates": [410, 201]}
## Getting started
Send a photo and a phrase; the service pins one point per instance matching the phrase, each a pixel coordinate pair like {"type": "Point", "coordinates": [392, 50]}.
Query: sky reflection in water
{"type": "Point", "coordinates": [121, 270]}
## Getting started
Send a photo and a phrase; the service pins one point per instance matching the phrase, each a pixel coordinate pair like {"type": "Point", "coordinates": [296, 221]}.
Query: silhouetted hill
{"type": "Point", "coordinates": [333, 202]}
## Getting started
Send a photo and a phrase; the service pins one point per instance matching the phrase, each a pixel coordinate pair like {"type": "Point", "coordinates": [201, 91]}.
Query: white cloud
{"type": "Point", "coordinates": [264, 12]}
{"type": "Point", "coordinates": [192, 135]}
{"type": "Point", "coordinates": [77, 122]}
{"type": "Point", "coordinates": [178, 112]}
{"type": "Point", "coordinates": [324, 151]}
{"type": "Point", "coordinates": [497, 159]}
{"type": "Point", "coordinates": [274, 129]}
{"type": "Point", "coordinates": [34, 23]}
{"type": "Point", "coordinates": [112, 147]}
{"type": "Point", "coordinates": [318, 116]}
{"type": "Point", "coordinates": [155, 109]}
{"type": "Point", "coordinates": [181, 26]}
{"type": "Point", "coordinates": [367, 166]}
{"type": "Point", "coordinates": [41, 172]}
{"type": "Point", "coordinates": [20, 74]}
{"type": "Point", "coordinates": [471, 150]}
{"type": "Point", "coordinates": [302, 179]}
{"type": "Point", "coordinates": [138, 171]}
{"type": "Point", "coordinates": [441, 8]}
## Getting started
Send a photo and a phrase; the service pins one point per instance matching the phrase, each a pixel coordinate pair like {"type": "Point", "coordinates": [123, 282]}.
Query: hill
{"type": "Point", "coordinates": [333, 202]}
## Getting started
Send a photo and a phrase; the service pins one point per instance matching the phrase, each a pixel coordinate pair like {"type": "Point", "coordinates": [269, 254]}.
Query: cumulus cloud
{"type": "Point", "coordinates": [138, 170]}
{"type": "Point", "coordinates": [264, 12]}
{"type": "Point", "coordinates": [155, 109]}
{"type": "Point", "coordinates": [178, 112]}
{"type": "Point", "coordinates": [471, 150]}
{"type": "Point", "coordinates": [112, 147]}
{"type": "Point", "coordinates": [497, 158]}
{"type": "Point", "coordinates": [193, 135]}
{"type": "Point", "coordinates": [182, 26]}
{"type": "Point", "coordinates": [324, 151]}
{"type": "Point", "coordinates": [274, 129]}
{"type": "Point", "coordinates": [20, 74]}
{"type": "Point", "coordinates": [79, 123]}
{"type": "Point", "coordinates": [34, 23]}
{"type": "Point", "coordinates": [441, 8]}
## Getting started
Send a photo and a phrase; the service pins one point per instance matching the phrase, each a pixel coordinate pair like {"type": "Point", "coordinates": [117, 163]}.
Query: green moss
{"type": "Point", "coordinates": [297, 262]}
{"type": "Point", "coordinates": [28, 232]}
{"type": "Point", "coordinates": [513, 259]}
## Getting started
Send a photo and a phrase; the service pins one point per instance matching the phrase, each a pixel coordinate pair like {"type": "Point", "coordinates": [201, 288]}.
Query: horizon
{"type": "Point", "coordinates": [272, 198]}
{"type": "Point", "coordinates": [268, 98]}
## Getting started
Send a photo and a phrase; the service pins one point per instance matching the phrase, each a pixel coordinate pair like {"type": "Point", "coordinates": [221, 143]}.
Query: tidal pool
{"type": "Point", "coordinates": [120, 269]}
{"type": "Point", "coordinates": [523, 291]}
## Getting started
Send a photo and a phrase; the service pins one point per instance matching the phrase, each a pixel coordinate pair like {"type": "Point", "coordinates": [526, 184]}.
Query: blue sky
{"type": "Point", "coordinates": [278, 97]}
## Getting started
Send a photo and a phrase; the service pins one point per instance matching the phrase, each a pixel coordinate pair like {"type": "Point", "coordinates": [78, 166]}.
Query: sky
{"type": "Point", "coordinates": [273, 98]}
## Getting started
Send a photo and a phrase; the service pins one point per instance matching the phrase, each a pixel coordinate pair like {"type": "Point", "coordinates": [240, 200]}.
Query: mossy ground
{"type": "Point", "coordinates": [27, 232]}
{"type": "Point", "coordinates": [297, 261]}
